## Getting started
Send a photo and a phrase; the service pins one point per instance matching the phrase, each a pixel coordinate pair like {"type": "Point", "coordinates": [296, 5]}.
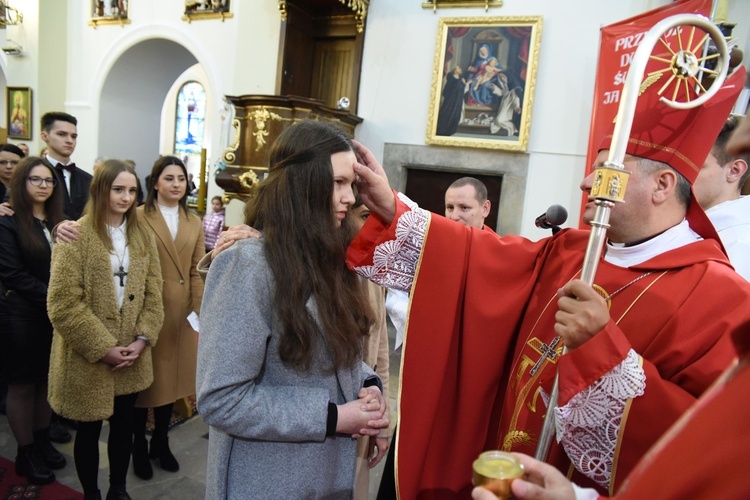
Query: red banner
{"type": "Point", "coordinates": [619, 42]}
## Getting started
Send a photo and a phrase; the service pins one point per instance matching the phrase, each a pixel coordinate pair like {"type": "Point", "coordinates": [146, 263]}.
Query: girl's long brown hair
{"type": "Point", "coordinates": [23, 208]}
{"type": "Point", "coordinates": [305, 250]}
{"type": "Point", "coordinates": [98, 209]}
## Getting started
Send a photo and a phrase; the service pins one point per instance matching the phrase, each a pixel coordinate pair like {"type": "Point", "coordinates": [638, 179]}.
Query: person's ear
{"type": "Point", "coordinates": [665, 182]}
{"type": "Point", "coordinates": [736, 169]}
{"type": "Point", "coordinates": [486, 208]}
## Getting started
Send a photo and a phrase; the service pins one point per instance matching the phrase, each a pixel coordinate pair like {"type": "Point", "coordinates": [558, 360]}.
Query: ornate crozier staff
{"type": "Point", "coordinates": [611, 179]}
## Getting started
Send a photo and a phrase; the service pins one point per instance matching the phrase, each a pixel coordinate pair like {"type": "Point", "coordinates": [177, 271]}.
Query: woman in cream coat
{"type": "Point", "coordinates": [179, 238]}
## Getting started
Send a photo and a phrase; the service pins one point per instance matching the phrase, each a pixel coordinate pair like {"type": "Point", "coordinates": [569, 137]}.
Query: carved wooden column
{"type": "Point", "coordinates": [259, 120]}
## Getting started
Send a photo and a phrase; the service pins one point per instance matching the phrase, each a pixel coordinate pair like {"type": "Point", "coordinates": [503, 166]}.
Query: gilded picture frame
{"type": "Point", "coordinates": [20, 118]}
{"type": "Point", "coordinates": [483, 82]}
{"type": "Point", "coordinates": [109, 12]}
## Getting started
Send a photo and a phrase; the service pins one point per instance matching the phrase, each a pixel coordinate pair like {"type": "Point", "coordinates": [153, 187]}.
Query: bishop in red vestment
{"type": "Point", "coordinates": [481, 345]}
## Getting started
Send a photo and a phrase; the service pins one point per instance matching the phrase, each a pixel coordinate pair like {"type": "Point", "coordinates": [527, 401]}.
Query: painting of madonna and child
{"type": "Point", "coordinates": [481, 88]}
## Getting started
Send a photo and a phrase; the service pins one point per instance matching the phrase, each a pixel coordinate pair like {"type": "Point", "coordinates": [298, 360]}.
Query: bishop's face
{"type": "Point", "coordinates": [626, 219]}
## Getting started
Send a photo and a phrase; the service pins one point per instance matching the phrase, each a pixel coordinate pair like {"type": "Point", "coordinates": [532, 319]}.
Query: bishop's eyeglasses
{"type": "Point", "coordinates": [40, 181]}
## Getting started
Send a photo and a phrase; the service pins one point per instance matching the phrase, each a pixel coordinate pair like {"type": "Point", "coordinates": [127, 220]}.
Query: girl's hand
{"type": "Point", "coordinates": [119, 357]}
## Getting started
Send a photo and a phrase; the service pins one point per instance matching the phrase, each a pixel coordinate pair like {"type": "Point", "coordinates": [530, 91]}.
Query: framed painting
{"type": "Point", "coordinates": [206, 9]}
{"type": "Point", "coordinates": [18, 104]}
{"type": "Point", "coordinates": [109, 12]}
{"type": "Point", "coordinates": [483, 82]}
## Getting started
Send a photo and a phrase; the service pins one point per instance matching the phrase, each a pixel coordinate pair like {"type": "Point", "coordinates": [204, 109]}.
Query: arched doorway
{"type": "Point", "coordinates": [132, 98]}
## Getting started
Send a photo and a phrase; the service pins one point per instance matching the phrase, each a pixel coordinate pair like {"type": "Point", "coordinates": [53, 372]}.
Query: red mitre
{"type": "Point", "coordinates": [681, 138]}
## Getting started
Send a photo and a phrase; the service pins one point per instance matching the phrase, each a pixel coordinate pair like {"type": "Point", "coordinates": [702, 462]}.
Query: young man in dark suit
{"type": "Point", "coordinates": [60, 133]}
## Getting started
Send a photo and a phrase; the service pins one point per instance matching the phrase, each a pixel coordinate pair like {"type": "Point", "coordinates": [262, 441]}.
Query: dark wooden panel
{"type": "Point", "coordinates": [334, 63]}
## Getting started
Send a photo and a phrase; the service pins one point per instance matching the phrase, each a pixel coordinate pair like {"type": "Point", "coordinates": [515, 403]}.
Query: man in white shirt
{"type": "Point", "coordinates": [717, 189]}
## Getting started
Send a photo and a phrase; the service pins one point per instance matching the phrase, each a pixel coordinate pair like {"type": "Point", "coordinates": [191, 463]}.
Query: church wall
{"type": "Point", "coordinates": [52, 60]}
{"type": "Point", "coordinates": [24, 71]}
{"type": "Point", "coordinates": [397, 75]}
{"type": "Point", "coordinates": [238, 55]}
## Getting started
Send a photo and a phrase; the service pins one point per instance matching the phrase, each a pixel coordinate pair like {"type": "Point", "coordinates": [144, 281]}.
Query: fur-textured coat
{"type": "Point", "coordinates": [176, 356]}
{"type": "Point", "coordinates": [82, 306]}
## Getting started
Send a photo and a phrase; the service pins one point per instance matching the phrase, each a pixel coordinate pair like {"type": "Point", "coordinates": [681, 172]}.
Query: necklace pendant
{"type": "Point", "coordinates": [121, 274]}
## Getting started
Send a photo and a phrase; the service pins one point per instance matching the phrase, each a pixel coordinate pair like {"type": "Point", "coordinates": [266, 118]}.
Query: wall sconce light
{"type": "Point", "coordinates": [12, 18]}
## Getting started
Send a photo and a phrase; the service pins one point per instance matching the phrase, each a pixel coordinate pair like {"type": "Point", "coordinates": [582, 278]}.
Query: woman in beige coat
{"type": "Point", "coordinates": [104, 302]}
{"type": "Point", "coordinates": [179, 238]}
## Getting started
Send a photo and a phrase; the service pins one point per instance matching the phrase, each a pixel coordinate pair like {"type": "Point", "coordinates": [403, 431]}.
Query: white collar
{"type": "Point", "coordinates": [674, 237]}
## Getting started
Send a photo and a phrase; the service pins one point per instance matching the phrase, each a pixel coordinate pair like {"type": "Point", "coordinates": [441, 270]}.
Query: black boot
{"type": "Point", "coordinates": [97, 495]}
{"type": "Point", "coordinates": [117, 492]}
{"type": "Point", "coordinates": [52, 458]}
{"type": "Point", "coordinates": [57, 431]}
{"type": "Point", "coordinates": [30, 464]}
{"type": "Point", "coordinates": [141, 463]}
{"type": "Point", "coordinates": [160, 449]}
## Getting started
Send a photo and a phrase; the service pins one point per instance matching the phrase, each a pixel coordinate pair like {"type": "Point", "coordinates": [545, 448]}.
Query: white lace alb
{"type": "Point", "coordinates": [589, 425]}
{"type": "Point", "coordinates": [395, 261]}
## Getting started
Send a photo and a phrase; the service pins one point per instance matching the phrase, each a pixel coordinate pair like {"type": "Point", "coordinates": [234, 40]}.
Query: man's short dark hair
{"type": "Point", "coordinates": [48, 119]}
{"type": "Point", "coordinates": [719, 149]}
{"type": "Point", "coordinates": [479, 187]}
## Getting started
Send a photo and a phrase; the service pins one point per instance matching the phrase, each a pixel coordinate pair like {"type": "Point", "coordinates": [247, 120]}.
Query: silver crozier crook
{"type": "Point", "coordinates": [610, 180]}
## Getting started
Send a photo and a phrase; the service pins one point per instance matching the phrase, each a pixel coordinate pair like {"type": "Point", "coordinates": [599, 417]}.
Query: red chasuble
{"type": "Point", "coordinates": [705, 455]}
{"type": "Point", "coordinates": [482, 314]}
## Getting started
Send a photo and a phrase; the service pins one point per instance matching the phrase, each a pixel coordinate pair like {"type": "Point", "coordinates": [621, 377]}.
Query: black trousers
{"type": "Point", "coordinates": [387, 490]}
{"type": "Point", "coordinates": [86, 449]}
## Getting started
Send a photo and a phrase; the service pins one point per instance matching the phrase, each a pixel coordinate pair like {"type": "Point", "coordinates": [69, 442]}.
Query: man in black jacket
{"type": "Point", "coordinates": [60, 134]}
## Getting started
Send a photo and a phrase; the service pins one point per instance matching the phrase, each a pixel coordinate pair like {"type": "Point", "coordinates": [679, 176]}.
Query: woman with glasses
{"type": "Point", "coordinates": [10, 155]}
{"type": "Point", "coordinates": [105, 304]}
{"type": "Point", "coordinates": [25, 252]}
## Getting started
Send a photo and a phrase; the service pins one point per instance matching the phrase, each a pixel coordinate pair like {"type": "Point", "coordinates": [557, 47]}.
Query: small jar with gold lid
{"type": "Point", "coordinates": [495, 470]}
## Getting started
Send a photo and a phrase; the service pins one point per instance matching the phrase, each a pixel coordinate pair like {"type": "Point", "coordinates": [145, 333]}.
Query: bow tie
{"type": "Point", "coordinates": [70, 167]}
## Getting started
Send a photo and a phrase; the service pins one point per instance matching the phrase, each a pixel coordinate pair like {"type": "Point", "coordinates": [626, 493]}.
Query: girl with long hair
{"type": "Point", "coordinates": [281, 380]}
{"type": "Point", "coordinates": [25, 253]}
{"type": "Point", "coordinates": [105, 304]}
{"type": "Point", "coordinates": [179, 239]}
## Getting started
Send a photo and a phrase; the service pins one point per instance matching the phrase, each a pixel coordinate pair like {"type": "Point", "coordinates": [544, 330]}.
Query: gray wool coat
{"type": "Point", "coordinates": [268, 421]}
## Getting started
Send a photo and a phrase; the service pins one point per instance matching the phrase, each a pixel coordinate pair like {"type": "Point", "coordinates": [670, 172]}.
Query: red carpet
{"type": "Point", "coordinates": [13, 487]}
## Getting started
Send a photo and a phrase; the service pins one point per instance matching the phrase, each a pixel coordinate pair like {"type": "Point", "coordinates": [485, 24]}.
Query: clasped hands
{"type": "Point", "coordinates": [366, 416]}
{"type": "Point", "coordinates": [122, 357]}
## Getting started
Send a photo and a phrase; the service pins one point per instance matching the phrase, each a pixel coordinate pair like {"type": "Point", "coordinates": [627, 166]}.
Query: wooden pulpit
{"type": "Point", "coordinates": [259, 120]}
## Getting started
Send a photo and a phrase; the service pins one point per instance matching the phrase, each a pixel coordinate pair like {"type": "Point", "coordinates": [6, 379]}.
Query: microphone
{"type": "Point", "coordinates": [552, 218]}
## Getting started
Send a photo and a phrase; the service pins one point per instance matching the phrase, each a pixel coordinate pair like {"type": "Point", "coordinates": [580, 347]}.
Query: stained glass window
{"type": "Point", "coordinates": [191, 114]}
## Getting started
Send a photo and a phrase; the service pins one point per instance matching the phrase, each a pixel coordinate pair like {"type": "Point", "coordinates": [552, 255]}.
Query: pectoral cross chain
{"type": "Point", "coordinates": [121, 274]}
{"type": "Point", "coordinates": [548, 352]}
